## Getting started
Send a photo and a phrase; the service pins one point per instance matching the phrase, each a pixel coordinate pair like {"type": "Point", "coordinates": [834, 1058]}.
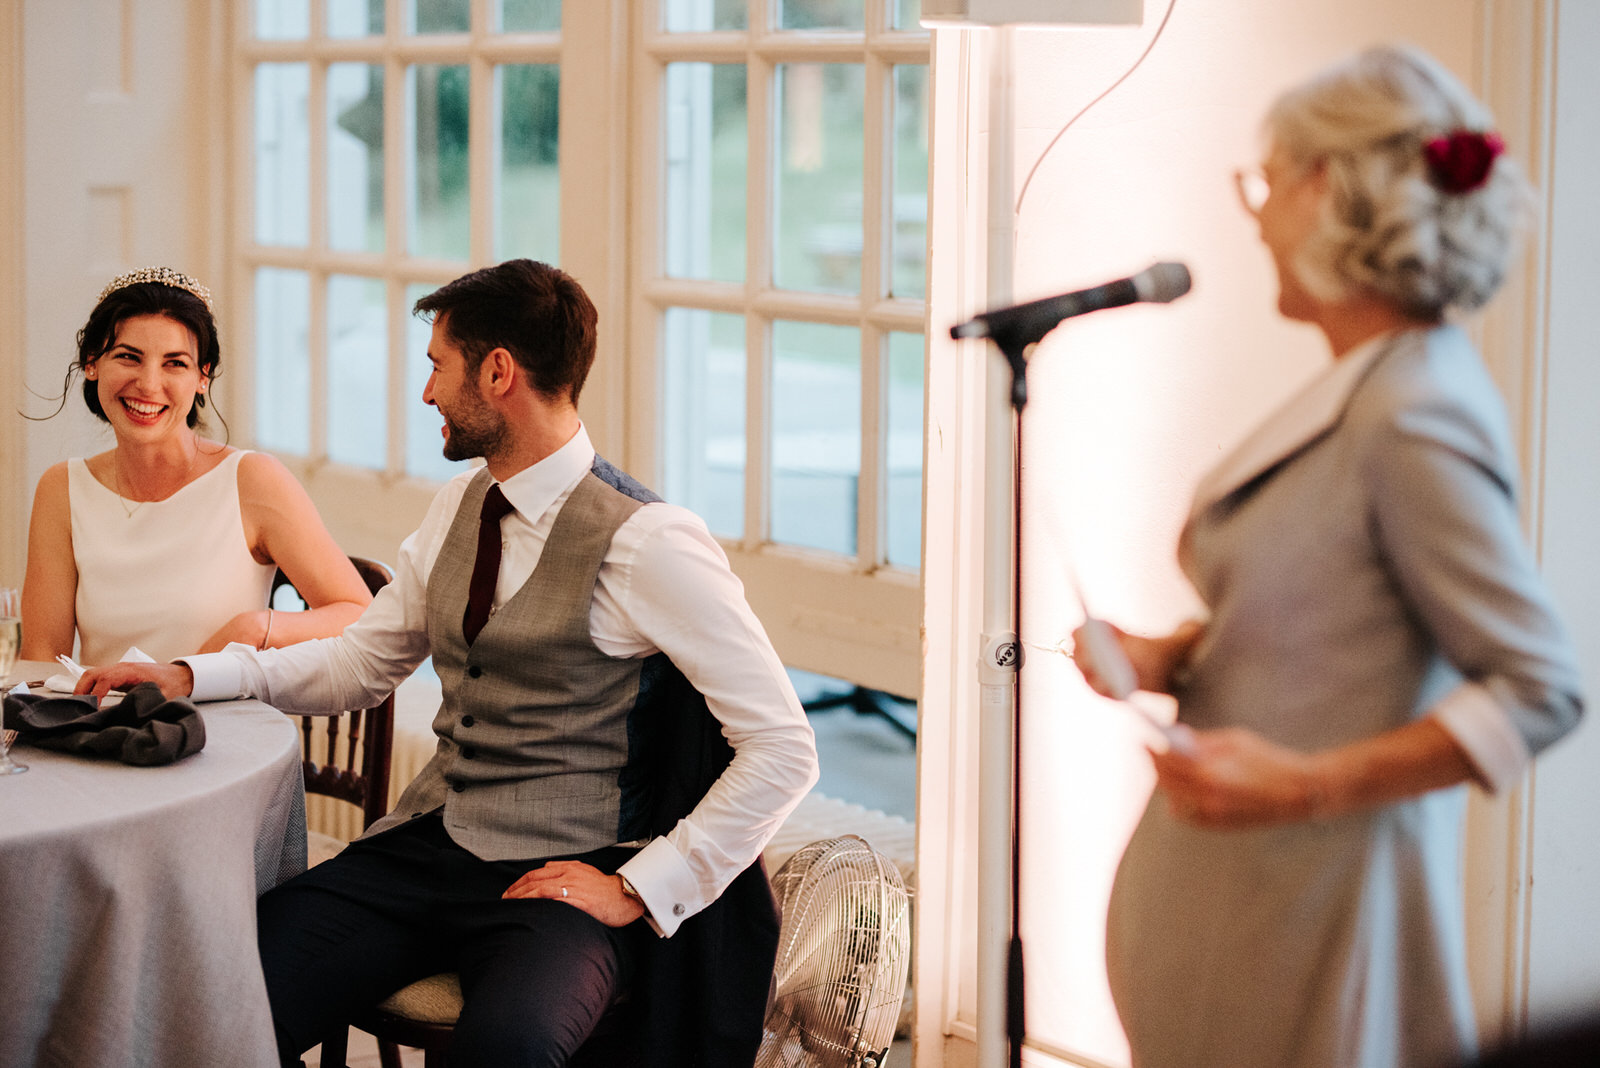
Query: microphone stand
{"type": "Point", "coordinates": [1014, 352]}
{"type": "Point", "coordinates": [1002, 658]}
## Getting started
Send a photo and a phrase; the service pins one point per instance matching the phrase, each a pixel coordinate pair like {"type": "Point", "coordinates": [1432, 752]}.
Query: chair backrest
{"type": "Point", "coordinates": [358, 744]}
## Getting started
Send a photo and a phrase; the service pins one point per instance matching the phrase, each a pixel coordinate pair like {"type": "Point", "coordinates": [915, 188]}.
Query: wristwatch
{"type": "Point", "coordinates": [627, 888]}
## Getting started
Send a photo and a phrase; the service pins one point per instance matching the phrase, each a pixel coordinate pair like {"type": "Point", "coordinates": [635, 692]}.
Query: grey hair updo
{"type": "Point", "coordinates": [1386, 227]}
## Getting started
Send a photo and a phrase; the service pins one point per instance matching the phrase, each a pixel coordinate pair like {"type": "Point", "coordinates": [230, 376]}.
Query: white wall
{"type": "Point", "coordinates": [13, 505]}
{"type": "Point", "coordinates": [1129, 407]}
{"type": "Point", "coordinates": [117, 174]}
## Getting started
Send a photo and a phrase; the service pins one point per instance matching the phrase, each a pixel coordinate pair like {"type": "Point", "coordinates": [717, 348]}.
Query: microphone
{"type": "Point", "coordinates": [1023, 324]}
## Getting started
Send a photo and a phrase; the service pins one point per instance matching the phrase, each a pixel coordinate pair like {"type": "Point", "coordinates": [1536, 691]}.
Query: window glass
{"type": "Point", "coordinates": [816, 435]}
{"type": "Point", "coordinates": [354, 18]}
{"type": "Point", "coordinates": [706, 146]}
{"type": "Point", "coordinates": [358, 372]}
{"type": "Point", "coordinates": [820, 14]}
{"type": "Point", "coordinates": [283, 20]}
{"type": "Point", "coordinates": [436, 99]}
{"type": "Point", "coordinates": [424, 437]}
{"type": "Point", "coordinates": [907, 14]}
{"type": "Point", "coordinates": [530, 16]}
{"type": "Point", "coordinates": [699, 16]}
{"type": "Point", "coordinates": [355, 157]}
{"type": "Point", "coordinates": [817, 189]}
{"type": "Point", "coordinates": [703, 416]}
{"type": "Point", "coordinates": [438, 16]}
{"type": "Point", "coordinates": [903, 406]}
{"type": "Point", "coordinates": [283, 152]}
{"type": "Point", "coordinates": [909, 240]}
{"type": "Point", "coordinates": [283, 360]}
{"type": "Point", "coordinates": [528, 187]}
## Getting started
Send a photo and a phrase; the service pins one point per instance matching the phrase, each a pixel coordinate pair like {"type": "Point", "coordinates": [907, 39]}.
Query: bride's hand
{"type": "Point", "coordinates": [250, 628]}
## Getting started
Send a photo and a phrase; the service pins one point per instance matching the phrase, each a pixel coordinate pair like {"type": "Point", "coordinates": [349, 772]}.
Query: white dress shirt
{"type": "Point", "coordinates": [1469, 713]}
{"type": "Point", "coordinates": [664, 586]}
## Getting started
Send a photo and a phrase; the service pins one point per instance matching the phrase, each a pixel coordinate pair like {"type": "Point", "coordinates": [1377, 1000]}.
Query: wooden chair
{"type": "Point", "coordinates": [423, 1016]}
{"type": "Point", "coordinates": [354, 765]}
{"type": "Point", "coordinates": [359, 746]}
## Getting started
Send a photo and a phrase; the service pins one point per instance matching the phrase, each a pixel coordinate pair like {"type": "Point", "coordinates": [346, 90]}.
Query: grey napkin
{"type": "Point", "coordinates": [144, 728]}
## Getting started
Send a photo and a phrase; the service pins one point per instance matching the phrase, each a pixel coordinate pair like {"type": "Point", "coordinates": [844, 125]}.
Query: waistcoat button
{"type": "Point", "coordinates": [467, 721]}
{"type": "Point", "coordinates": [469, 753]}
{"type": "Point", "coordinates": [458, 786]}
{"type": "Point", "coordinates": [474, 671]}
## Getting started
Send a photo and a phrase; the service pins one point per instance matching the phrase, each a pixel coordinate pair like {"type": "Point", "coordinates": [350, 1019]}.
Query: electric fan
{"type": "Point", "coordinates": [843, 951]}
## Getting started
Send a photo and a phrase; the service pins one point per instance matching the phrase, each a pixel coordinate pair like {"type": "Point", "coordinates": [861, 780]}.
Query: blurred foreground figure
{"type": "Point", "coordinates": [1378, 631]}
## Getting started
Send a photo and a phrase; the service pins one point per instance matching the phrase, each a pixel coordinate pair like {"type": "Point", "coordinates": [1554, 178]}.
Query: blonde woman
{"type": "Point", "coordinates": [1378, 633]}
{"type": "Point", "coordinates": [169, 541]}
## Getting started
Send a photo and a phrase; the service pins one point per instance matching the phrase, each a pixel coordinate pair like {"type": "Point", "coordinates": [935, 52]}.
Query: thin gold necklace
{"type": "Point", "coordinates": [122, 499]}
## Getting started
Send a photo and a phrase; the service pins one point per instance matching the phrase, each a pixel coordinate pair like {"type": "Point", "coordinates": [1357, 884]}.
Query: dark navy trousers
{"type": "Point", "coordinates": [536, 974]}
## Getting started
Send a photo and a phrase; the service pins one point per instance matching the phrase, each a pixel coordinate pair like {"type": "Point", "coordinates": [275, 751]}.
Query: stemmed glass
{"type": "Point", "coordinates": [10, 642]}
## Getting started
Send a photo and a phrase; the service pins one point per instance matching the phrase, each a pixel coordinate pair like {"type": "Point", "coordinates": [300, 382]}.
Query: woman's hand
{"type": "Point", "coordinates": [1153, 659]}
{"type": "Point", "coordinates": [582, 886]}
{"type": "Point", "coordinates": [250, 628]}
{"type": "Point", "coordinates": [1234, 778]}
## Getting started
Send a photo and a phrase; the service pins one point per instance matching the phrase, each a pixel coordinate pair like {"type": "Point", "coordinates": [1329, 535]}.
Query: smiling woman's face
{"type": "Point", "coordinates": [147, 380]}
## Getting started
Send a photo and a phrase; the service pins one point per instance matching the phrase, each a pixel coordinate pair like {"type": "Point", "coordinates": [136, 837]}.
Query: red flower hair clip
{"type": "Point", "coordinates": [1460, 162]}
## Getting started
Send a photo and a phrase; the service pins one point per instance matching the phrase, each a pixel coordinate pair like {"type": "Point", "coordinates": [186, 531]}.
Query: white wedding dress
{"type": "Point", "coordinates": [160, 575]}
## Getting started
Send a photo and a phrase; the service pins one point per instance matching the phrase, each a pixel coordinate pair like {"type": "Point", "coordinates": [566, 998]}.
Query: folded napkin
{"type": "Point", "coordinates": [144, 728]}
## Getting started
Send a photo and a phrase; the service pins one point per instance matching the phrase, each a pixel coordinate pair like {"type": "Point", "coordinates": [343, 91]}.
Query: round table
{"type": "Point", "coordinates": [128, 897]}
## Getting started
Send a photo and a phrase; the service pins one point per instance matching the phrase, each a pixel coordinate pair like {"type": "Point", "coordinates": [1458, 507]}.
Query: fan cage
{"type": "Point", "coordinates": [844, 950]}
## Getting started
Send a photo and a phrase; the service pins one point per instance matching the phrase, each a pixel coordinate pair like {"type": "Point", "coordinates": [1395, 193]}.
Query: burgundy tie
{"type": "Point", "coordinates": [486, 568]}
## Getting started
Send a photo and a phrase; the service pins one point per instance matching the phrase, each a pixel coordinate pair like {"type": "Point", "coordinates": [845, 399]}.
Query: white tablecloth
{"type": "Point", "coordinates": [128, 899]}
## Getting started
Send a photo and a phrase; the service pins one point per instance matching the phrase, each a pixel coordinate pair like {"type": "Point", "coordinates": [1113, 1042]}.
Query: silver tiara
{"type": "Point", "coordinates": [164, 275]}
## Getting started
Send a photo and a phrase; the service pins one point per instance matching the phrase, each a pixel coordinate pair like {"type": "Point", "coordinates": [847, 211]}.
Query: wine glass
{"type": "Point", "coordinates": [10, 642]}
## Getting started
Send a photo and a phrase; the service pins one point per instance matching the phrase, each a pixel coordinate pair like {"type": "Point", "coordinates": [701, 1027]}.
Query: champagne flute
{"type": "Point", "coordinates": [10, 642]}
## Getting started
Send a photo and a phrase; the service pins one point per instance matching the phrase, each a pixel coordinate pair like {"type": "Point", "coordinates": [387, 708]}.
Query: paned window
{"type": "Point", "coordinates": [393, 146]}
{"type": "Point", "coordinates": [779, 281]}
{"type": "Point", "coordinates": [740, 184]}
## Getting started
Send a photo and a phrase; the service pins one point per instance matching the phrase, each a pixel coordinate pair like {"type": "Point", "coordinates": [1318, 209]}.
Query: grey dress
{"type": "Point", "coordinates": [1360, 563]}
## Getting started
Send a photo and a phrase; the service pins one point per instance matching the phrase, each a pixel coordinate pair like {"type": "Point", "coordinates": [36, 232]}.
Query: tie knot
{"type": "Point", "coordinates": [495, 505]}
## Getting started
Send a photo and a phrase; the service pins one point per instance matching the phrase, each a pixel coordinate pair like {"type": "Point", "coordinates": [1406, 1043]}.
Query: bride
{"type": "Point", "coordinates": [169, 540]}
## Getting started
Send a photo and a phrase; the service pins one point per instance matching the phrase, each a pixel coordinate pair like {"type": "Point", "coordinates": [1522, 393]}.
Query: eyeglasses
{"type": "Point", "coordinates": [1253, 189]}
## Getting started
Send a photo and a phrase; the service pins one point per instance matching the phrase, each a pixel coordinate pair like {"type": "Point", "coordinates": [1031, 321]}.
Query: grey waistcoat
{"type": "Point", "coordinates": [534, 730]}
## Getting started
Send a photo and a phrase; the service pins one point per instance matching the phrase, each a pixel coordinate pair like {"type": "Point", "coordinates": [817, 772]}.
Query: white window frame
{"type": "Point", "coordinates": [856, 619]}
{"type": "Point", "coordinates": [370, 512]}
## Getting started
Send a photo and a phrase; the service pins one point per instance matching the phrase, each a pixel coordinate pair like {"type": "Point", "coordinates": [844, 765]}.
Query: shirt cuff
{"type": "Point", "coordinates": [664, 881]}
{"type": "Point", "coordinates": [217, 676]}
{"type": "Point", "coordinates": [1483, 729]}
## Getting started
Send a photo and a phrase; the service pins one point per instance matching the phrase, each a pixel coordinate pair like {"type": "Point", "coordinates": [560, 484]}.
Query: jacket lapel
{"type": "Point", "coordinates": [1298, 423]}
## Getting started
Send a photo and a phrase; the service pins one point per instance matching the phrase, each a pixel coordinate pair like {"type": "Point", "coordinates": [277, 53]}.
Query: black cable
{"type": "Point", "coordinates": [1084, 110]}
